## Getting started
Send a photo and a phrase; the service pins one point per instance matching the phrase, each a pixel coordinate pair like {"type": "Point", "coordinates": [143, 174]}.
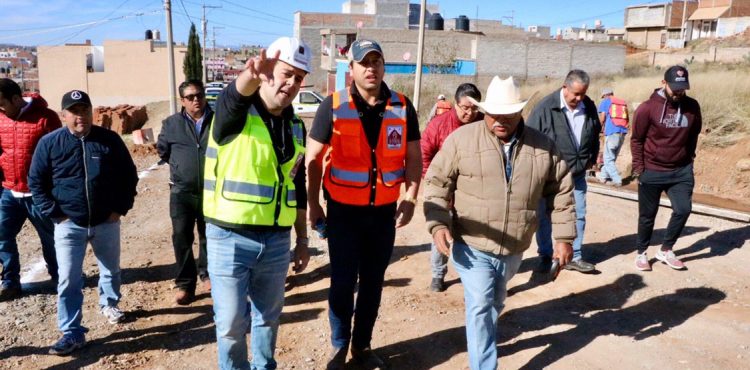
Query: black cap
{"type": "Point", "coordinates": [74, 97]}
{"type": "Point", "coordinates": [677, 78]}
{"type": "Point", "coordinates": [360, 48]}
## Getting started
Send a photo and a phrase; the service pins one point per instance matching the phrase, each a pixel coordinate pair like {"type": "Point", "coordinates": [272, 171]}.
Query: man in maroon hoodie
{"type": "Point", "coordinates": [23, 121]}
{"type": "Point", "coordinates": [665, 136]}
{"type": "Point", "coordinates": [438, 129]}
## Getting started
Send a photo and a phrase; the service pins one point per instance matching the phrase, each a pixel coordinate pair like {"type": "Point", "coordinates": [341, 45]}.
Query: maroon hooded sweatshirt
{"type": "Point", "coordinates": [665, 134]}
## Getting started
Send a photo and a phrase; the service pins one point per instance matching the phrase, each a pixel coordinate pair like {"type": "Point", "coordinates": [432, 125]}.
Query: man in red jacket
{"type": "Point", "coordinates": [23, 121]}
{"type": "Point", "coordinates": [438, 129]}
{"type": "Point", "coordinates": [665, 137]}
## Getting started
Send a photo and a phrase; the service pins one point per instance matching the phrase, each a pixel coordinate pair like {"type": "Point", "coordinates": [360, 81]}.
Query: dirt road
{"type": "Point", "coordinates": [616, 319]}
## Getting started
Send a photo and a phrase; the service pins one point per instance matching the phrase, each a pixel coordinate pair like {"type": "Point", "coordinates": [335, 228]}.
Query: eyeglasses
{"type": "Point", "coordinates": [192, 97]}
{"type": "Point", "coordinates": [471, 109]}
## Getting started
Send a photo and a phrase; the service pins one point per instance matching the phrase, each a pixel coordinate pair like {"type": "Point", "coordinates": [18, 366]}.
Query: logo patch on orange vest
{"type": "Point", "coordinates": [394, 137]}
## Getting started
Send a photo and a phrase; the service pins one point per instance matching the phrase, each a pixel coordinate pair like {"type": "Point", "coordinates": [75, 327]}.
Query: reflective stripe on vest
{"type": "Point", "coordinates": [618, 112]}
{"type": "Point", "coordinates": [241, 179]}
{"type": "Point", "coordinates": [350, 176]}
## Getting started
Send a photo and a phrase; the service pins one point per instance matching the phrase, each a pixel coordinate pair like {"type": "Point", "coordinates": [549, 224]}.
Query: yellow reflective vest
{"type": "Point", "coordinates": [244, 184]}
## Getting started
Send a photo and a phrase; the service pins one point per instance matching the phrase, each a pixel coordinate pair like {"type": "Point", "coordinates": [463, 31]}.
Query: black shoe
{"type": "Point", "coordinates": [337, 360]}
{"type": "Point", "coordinates": [545, 264]}
{"type": "Point", "coordinates": [580, 266]}
{"type": "Point", "coordinates": [368, 359]}
{"type": "Point", "coordinates": [10, 293]}
{"type": "Point", "coordinates": [437, 285]}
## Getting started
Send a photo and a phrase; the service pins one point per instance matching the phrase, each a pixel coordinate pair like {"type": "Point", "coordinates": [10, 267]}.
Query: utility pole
{"type": "Point", "coordinates": [213, 48]}
{"type": "Point", "coordinates": [204, 28]}
{"type": "Point", "coordinates": [420, 48]}
{"type": "Point", "coordinates": [170, 51]}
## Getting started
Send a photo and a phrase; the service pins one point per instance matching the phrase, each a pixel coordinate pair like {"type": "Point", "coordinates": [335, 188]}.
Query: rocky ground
{"type": "Point", "coordinates": [617, 318]}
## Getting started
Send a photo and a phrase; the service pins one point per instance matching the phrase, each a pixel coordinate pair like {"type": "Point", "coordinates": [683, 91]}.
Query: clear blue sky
{"type": "Point", "coordinates": [52, 22]}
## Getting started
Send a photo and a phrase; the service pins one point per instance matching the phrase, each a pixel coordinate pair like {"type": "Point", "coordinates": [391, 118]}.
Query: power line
{"type": "Point", "coordinates": [258, 11]}
{"type": "Point", "coordinates": [91, 23]}
{"type": "Point", "coordinates": [231, 26]}
{"type": "Point", "coordinates": [255, 17]}
{"type": "Point", "coordinates": [187, 14]}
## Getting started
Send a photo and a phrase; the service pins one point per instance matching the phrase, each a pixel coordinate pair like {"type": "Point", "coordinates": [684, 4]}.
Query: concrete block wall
{"type": "Point", "coordinates": [532, 58]}
{"type": "Point", "coordinates": [548, 59]}
{"type": "Point", "coordinates": [504, 57]}
{"type": "Point", "coordinates": [441, 47]}
{"type": "Point", "coordinates": [598, 60]}
{"type": "Point", "coordinates": [392, 14]}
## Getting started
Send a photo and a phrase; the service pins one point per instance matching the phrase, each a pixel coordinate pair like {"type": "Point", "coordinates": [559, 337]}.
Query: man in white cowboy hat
{"type": "Point", "coordinates": [477, 167]}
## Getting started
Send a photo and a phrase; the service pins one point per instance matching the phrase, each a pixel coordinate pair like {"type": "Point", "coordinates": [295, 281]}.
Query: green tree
{"type": "Point", "coordinates": [193, 64]}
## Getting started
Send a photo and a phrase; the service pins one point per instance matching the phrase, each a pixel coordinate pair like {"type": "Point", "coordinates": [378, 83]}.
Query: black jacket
{"type": "Point", "coordinates": [548, 118]}
{"type": "Point", "coordinates": [84, 179]}
{"type": "Point", "coordinates": [185, 151]}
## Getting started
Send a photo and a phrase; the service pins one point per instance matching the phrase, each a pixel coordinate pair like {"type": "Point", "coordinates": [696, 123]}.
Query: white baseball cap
{"type": "Point", "coordinates": [294, 52]}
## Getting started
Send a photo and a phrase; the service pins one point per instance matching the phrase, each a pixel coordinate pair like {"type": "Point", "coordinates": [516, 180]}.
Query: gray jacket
{"type": "Point", "coordinates": [549, 119]}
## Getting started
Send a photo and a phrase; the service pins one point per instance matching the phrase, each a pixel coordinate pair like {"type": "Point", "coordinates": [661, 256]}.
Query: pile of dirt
{"type": "Point", "coordinates": [143, 150]}
{"type": "Point", "coordinates": [122, 119]}
{"type": "Point", "coordinates": [157, 112]}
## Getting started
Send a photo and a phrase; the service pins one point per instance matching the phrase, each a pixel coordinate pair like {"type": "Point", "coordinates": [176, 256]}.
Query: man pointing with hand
{"type": "Point", "coordinates": [254, 192]}
{"type": "Point", "coordinates": [496, 171]}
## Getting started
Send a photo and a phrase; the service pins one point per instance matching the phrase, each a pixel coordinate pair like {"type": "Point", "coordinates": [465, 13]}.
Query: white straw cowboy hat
{"type": "Point", "coordinates": [503, 97]}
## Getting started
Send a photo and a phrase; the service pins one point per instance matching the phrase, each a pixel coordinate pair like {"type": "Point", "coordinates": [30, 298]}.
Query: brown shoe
{"type": "Point", "coordinates": [183, 297]}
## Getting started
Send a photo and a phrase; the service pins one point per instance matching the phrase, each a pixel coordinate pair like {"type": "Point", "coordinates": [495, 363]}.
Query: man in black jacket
{"type": "Point", "coordinates": [83, 178]}
{"type": "Point", "coordinates": [182, 143]}
{"type": "Point", "coordinates": [570, 118]}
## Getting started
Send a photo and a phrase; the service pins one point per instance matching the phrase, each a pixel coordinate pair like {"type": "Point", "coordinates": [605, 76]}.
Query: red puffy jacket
{"type": "Point", "coordinates": [436, 132]}
{"type": "Point", "coordinates": [18, 139]}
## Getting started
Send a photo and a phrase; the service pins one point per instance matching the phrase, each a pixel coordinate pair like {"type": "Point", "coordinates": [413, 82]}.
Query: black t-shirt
{"type": "Point", "coordinates": [229, 120]}
{"type": "Point", "coordinates": [370, 116]}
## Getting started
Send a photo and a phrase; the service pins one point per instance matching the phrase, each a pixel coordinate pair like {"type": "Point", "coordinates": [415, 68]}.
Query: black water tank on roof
{"type": "Point", "coordinates": [149, 35]}
{"type": "Point", "coordinates": [462, 23]}
{"type": "Point", "coordinates": [435, 22]}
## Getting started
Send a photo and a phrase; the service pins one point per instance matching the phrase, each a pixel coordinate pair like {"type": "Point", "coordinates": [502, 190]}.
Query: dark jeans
{"type": "Point", "coordinates": [360, 242]}
{"type": "Point", "coordinates": [678, 185]}
{"type": "Point", "coordinates": [13, 213]}
{"type": "Point", "coordinates": [186, 210]}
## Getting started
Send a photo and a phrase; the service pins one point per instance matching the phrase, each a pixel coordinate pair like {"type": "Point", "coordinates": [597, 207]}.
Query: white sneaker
{"type": "Point", "coordinates": [113, 314]}
{"type": "Point", "coordinates": [669, 258]}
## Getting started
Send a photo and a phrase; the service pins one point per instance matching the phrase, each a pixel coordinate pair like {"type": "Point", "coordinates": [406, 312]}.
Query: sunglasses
{"type": "Point", "coordinates": [192, 97]}
{"type": "Point", "coordinates": [471, 109]}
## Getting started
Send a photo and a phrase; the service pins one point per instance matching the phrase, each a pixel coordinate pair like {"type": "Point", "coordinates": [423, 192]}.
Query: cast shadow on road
{"type": "Point", "coordinates": [599, 252]}
{"type": "Point", "coordinates": [646, 319]}
{"type": "Point", "coordinates": [717, 244]}
{"type": "Point", "coordinates": [192, 332]}
{"type": "Point", "coordinates": [196, 331]}
{"type": "Point", "coordinates": [149, 274]}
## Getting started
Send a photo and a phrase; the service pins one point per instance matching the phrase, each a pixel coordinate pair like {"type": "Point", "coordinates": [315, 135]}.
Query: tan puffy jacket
{"type": "Point", "coordinates": [492, 215]}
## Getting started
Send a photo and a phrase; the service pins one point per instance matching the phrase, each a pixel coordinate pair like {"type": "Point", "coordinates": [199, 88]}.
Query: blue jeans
{"type": "Point", "coordinates": [70, 244]}
{"type": "Point", "coordinates": [241, 265]}
{"type": "Point", "coordinates": [544, 232]}
{"type": "Point", "coordinates": [438, 263]}
{"type": "Point", "coordinates": [484, 277]}
{"type": "Point", "coordinates": [612, 145]}
{"type": "Point", "coordinates": [13, 213]}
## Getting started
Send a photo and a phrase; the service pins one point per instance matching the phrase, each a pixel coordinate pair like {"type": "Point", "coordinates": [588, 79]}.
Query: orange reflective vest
{"type": "Point", "coordinates": [442, 107]}
{"type": "Point", "coordinates": [355, 173]}
{"type": "Point", "coordinates": [618, 112]}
